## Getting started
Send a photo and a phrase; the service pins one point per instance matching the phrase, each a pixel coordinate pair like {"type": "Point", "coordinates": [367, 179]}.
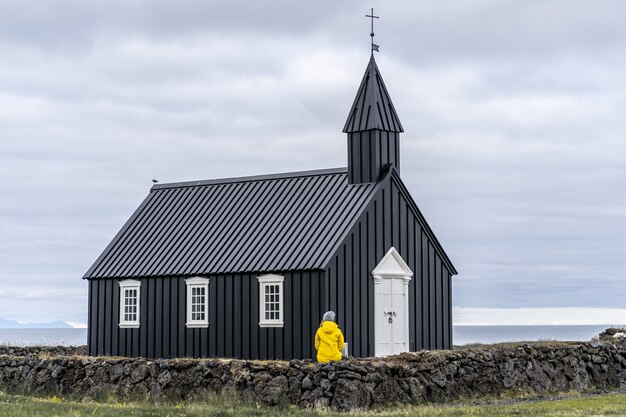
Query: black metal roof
{"type": "Point", "coordinates": [290, 221]}
{"type": "Point", "coordinates": [372, 107]}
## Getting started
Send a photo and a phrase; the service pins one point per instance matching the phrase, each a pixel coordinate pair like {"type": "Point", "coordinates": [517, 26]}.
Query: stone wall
{"type": "Point", "coordinates": [428, 376]}
{"type": "Point", "coordinates": [43, 350]}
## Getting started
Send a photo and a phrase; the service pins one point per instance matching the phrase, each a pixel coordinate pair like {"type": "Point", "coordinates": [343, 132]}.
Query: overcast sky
{"type": "Point", "coordinates": [514, 145]}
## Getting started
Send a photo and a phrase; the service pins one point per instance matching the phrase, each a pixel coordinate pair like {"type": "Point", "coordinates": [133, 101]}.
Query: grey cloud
{"type": "Point", "coordinates": [514, 146]}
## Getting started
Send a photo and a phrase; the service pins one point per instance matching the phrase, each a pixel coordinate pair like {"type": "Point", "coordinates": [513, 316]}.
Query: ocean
{"type": "Point", "coordinates": [462, 335]}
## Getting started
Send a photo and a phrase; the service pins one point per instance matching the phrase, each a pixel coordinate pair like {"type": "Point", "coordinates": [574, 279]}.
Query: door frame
{"type": "Point", "coordinates": [392, 266]}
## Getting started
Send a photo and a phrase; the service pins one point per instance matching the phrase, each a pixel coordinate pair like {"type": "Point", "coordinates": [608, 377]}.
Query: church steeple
{"type": "Point", "coordinates": [373, 129]}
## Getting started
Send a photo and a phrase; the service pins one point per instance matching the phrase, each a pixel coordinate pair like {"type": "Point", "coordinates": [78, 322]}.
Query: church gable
{"type": "Point", "coordinates": [391, 220]}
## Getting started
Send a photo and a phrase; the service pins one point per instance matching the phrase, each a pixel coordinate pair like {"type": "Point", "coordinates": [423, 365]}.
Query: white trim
{"type": "Point", "coordinates": [272, 279]}
{"type": "Point", "coordinates": [383, 270]}
{"type": "Point", "coordinates": [197, 282]}
{"type": "Point", "coordinates": [129, 284]}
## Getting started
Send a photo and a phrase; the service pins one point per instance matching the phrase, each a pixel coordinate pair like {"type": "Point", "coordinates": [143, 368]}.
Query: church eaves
{"type": "Point", "coordinates": [372, 107]}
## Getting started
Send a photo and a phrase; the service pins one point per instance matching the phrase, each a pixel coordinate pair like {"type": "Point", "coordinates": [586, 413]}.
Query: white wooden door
{"type": "Point", "coordinates": [384, 329]}
{"type": "Point", "coordinates": [391, 316]}
{"type": "Point", "coordinates": [391, 304]}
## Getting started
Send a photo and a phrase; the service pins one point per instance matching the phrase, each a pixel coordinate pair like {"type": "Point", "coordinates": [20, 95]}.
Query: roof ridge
{"type": "Point", "coordinates": [250, 178]}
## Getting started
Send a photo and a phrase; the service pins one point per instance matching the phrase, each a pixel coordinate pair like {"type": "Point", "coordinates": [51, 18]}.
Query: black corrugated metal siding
{"type": "Point", "coordinates": [233, 319]}
{"type": "Point", "coordinates": [368, 154]}
{"type": "Point", "coordinates": [391, 219]}
{"type": "Point", "coordinates": [281, 222]}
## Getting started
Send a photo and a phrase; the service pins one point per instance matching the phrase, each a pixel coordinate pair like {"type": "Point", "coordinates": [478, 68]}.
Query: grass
{"type": "Point", "coordinates": [512, 345]}
{"type": "Point", "coordinates": [31, 406]}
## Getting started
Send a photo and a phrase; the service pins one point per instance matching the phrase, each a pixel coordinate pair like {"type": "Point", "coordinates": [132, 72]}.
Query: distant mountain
{"type": "Point", "coordinates": [10, 324]}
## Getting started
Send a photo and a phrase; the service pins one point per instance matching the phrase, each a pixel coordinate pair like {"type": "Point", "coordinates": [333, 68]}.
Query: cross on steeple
{"type": "Point", "coordinates": [372, 17]}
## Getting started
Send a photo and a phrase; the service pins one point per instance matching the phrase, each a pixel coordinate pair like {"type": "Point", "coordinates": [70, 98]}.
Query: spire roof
{"type": "Point", "coordinates": [372, 107]}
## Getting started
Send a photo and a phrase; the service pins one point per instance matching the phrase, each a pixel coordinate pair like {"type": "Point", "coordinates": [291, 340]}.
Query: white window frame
{"type": "Point", "coordinates": [129, 284]}
{"type": "Point", "coordinates": [197, 282]}
{"type": "Point", "coordinates": [265, 280]}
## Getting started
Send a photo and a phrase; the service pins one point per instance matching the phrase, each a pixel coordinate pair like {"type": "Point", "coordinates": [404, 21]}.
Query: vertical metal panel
{"type": "Point", "coordinates": [181, 317]}
{"type": "Point", "coordinates": [418, 286]}
{"type": "Point", "coordinates": [376, 138]}
{"type": "Point", "coordinates": [263, 342]}
{"type": "Point", "coordinates": [271, 338]}
{"type": "Point", "coordinates": [413, 309]}
{"type": "Point", "coordinates": [387, 218]}
{"type": "Point", "coordinates": [123, 349]}
{"type": "Point", "coordinates": [197, 342]}
{"type": "Point", "coordinates": [314, 285]}
{"type": "Point", "coordinates": [204, 343]}
{"type": "Point", "coordinates": [290, 303]}
{"type": "Point", "coordinates": [396, 138]}
{"type": "Point", "coordinates": [220, 324]}
{"type": "Point", "coordinates": [357, 281]}
{"type": "Point", "coordinates": [450, 322]}
{"type": "Point", "coordinates": [228, 314]}
{"type": "Point", "coordinates": [425, 293]}
{"type": "Point", "coordinates": [171, 325]}
{"type": "Point", "coordinates": [371, 264]}
{"type": "Point", "coordinates": [108, 318]}
{"type": "Point", "coordinates": [306, 313]}
{"type": "Point", "coordinates": [115, 318]}
{"type": "Point", "coordinates": [236, 308]}
{"type": "Point", "coordinates": [254, 323]}
{"type": "Point", "coordinates": [297, 313]}
{"type": "Point", "coordinates": [143, 319]}
{"type": "Point", "coordinates": [123, 342]}
{"type": "Point", "coordinates": [439, 302]}
{"type": "Point", "coordinates": [384, 148]}
{"type": "Point", "coordinates": [341, 288]}
{"type": "Point", "coordinates": [92, 331]}
{"type": "Point", "coordinates": [445, 301]}
{"type": "Point", "coordinates": [394, 149]}
{"type": "Point", "coordinates": [432, 300]}
{"type": "Point", "coordinates": [213, 314]}
{"type": "Point", "coordinates": [150, 316]}
{"type": "Point", "coordinates": [349, 291]}
{"type": "Point", "coordinates": [246, 307]}
{"type": "Point", "coordinates": [158, 317]}
{"type": "Point", "coordinates": [364, 284]}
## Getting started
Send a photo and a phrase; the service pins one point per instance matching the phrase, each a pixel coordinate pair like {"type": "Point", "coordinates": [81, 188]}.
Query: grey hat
{"type": "Point", "coordinates": [329, 316]}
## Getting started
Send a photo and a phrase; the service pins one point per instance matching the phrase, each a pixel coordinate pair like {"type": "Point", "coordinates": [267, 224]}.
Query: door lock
{"type": "Point", "coordinates": [389, 314]}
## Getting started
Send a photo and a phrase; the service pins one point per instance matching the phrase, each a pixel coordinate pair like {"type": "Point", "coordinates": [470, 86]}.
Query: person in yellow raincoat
{"type": "Point", "coordinates": [328, 339]}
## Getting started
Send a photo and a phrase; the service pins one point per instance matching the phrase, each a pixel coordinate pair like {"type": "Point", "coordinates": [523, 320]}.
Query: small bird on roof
{"type": "Point", "coordinates": [155, 181]}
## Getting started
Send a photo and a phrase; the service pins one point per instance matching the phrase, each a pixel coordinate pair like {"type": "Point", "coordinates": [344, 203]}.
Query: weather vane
{"type": "Point", "coordinates": [374, 46]}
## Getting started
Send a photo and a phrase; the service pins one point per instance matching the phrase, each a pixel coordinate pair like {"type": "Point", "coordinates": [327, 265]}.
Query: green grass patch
{"type": "Point", "coordinates": [31, 406]}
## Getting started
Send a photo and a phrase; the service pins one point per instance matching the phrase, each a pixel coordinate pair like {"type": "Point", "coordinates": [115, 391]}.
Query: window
{"type": "Point", "coordinates": [197, 299]}
{"type": "Point", "coordinates": [271, 301]}
{"type": "Point", "coordinates": [130, 294]}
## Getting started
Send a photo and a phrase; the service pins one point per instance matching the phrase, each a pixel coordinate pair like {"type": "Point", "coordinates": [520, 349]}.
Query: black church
{"type": "Point", "coordinates": [245, 267]}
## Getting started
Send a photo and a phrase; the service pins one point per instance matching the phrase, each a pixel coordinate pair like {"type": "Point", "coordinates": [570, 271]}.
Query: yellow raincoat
{"type": "Point", "coordinates": [328, 342]}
